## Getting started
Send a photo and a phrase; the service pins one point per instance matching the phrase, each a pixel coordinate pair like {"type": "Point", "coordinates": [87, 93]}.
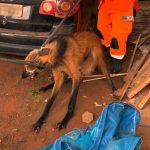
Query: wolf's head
{"type": "Point", "coordinates": [50, 54]}
{"type": "Point", "coordinates": [35, 56]}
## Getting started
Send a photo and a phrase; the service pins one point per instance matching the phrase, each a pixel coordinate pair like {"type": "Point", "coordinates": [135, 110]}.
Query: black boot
{"type": "Point", "coordinates": [106, 51]}
{"type": "Point", "coordinates": [115, 65]}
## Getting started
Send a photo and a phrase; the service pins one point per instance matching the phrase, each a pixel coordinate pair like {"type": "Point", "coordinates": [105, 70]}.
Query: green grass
{"type": "Point", "coordinates": [35, 94]}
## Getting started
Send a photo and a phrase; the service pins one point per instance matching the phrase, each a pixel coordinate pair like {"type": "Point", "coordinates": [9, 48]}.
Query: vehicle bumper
{"type": "Point", "coordinates": [22, 42]}
{"type": "Point", "coordinates": [24, 2]}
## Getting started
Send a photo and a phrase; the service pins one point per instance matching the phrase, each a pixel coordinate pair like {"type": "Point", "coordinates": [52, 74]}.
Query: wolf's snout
{"type": "Point", "coordinates": [25, 74]}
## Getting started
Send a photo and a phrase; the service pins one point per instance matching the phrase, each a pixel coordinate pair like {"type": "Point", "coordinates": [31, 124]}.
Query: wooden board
{"type": "Point", "coordinates": [144, 101]}
{"type": "Point", "coordinates": [144, 40]}
{"type": "Point", "coordinates": [141, 71]}
{"type": "Point", "coordinates": [143, 81]}
{"type": "Point", "coordinates": [129, 78]}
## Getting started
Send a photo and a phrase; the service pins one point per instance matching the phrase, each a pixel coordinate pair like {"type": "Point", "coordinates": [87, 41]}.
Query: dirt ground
{"type": "Point", "coordinates": [21, 105]}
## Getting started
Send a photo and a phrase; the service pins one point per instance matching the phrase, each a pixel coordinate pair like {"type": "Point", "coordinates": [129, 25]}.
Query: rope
{"type": "Point", "coordinates": [60, 24]}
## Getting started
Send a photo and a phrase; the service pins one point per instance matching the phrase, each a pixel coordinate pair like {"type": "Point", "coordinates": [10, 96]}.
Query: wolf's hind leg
{"type": "Point", "coordinates": [88, 66]}
{"type": "Point", "coordinates": [72, 102]}
{"type": "Point", "coordinates": [103, 67]}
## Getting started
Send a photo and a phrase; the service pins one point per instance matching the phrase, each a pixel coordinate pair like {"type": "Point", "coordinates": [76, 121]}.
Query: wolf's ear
{"type": "Point", "coordinates": [44, 51]}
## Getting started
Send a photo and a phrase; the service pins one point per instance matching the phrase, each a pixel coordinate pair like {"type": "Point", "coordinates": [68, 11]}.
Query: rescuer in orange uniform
{"type": "Point", "coordinates": [115, 21]}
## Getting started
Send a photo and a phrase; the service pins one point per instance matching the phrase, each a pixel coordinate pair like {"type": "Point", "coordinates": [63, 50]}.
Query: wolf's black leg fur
{"type": "Point", "coordinates": [49, 86]}
{"type": "Point", "coordinates": [71, 106]}
{"type": "Point", "coordinates": [45, 88]}
{"type": "Point", "coordinates": [59, 79]}
{"type": "Point", "coordinates": [36, 127]}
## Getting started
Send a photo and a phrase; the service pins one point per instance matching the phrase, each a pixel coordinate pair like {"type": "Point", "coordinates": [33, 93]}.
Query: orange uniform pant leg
{"type": "Point", "coordinates": [104, 26]}
{"type": "Point", "coordinates": [121, 28]}
{"type": "Point", "coordinates": [115, 29]}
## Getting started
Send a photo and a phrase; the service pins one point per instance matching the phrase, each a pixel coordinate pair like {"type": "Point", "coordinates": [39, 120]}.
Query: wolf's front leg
{"type": "Point", "coordinates": [72, 103]}
{"type": "Point", "coordinates": [59, 80]}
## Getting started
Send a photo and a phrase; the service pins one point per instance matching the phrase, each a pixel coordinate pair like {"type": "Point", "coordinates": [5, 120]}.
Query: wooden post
{"type": "Point", "coordinates": [134, 52]}
{"type": "Point", "coordinates": [87, 15]}
{"type": "Point", "coordinates": [145, 39]}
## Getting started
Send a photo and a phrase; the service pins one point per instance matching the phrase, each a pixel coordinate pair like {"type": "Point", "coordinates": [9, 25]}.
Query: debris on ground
{"type": "Point", "coordinates": [53, 129]}
{"type": "Point", "coordinates": [97, 104]}
{"type": "Point", "coordinates": [46, 100]}
{"type": "Point", "coordinates": [85, 97]}
{"type": "Point", "coordinates": [87, 117]}
{"type": "Point", "coordinates": [104, 103]}
{"type": "Point", "coordinates": [14, 130]}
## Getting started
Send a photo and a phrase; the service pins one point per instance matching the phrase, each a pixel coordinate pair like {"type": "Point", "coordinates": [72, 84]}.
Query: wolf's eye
{"type": "Point", "coordinates": [44, 51]}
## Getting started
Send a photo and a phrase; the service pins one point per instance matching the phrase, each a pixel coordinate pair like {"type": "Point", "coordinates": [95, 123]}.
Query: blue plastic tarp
{"type": "Point", "coordinates": [114, 130]}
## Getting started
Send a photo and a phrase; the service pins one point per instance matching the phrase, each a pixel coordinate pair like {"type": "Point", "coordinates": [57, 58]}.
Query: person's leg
{"type": "Point", "coordinates": [104, 28]}
{"type": "Point", "coordinates": [121, 28]}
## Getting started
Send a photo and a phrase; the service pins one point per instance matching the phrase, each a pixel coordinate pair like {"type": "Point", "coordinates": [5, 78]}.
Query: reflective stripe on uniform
{"type": "Point", "coordinates": [127, 18]}
{"type": "Point", "coordinates": [120, 57]}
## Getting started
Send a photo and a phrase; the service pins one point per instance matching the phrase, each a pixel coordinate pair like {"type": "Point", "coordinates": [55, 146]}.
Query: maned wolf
{"type": "Point", "coordinates": [73, 56]}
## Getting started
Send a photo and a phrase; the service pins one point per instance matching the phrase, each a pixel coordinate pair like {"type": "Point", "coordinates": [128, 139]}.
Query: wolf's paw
{"type": "Point", "coordinates": [36, 127]}
{"type": "Point", "coordinates": [60, 125]}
